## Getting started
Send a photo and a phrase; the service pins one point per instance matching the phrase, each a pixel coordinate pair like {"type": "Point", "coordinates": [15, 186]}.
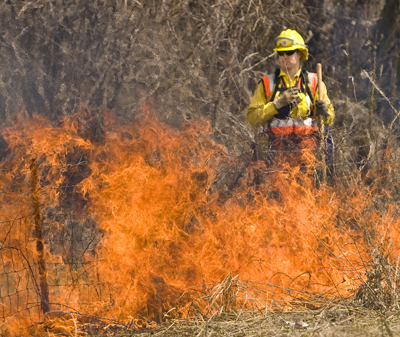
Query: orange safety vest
{"type": "Point", "coordinates": [307, 84]}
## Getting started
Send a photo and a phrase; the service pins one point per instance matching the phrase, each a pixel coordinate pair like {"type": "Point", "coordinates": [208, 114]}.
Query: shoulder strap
{"type": "Point", "coordinates": [268, 84]}
{"type": "Point", "coordinates": [271, 84]}
{"type": "Point", "coordinates": [310, 83]}
{"type": "Point", "coordinates": [313, 79]}
{"type": "Point", "coordinates": [276, 84]}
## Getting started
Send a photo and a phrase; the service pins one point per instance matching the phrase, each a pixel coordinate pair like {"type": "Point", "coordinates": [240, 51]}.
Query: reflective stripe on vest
{"type": "Point", "coordinates": [290, 126]}
{"type": "Point", "coordinates": [305, 127]}
{"type": "Point", "coordinates": [313, 80]}
{"type": "Point", "coordinates": [270, 85]}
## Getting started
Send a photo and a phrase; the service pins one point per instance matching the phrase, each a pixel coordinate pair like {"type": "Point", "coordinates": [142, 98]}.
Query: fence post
{"type": "Point", "coordinates": [44, 288]}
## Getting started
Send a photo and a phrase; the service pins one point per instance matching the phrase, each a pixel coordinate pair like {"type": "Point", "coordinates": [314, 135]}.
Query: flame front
{"type": "Point", "coordinates": [156, 237]}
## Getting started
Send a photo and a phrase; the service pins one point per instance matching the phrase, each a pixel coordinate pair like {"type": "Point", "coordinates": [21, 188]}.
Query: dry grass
{"type": "Point", "coordinates": [373, 311]}
{"type": "Point", "coordinates": [327, 321]}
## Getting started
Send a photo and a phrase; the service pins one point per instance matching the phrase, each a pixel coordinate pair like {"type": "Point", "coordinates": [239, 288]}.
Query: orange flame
{"type": "Point", "coordinates": [154, 233]}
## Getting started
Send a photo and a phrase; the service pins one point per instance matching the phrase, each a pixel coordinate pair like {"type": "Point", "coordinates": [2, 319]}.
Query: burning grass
{"type": "Point", "coordinates": [136, 232]}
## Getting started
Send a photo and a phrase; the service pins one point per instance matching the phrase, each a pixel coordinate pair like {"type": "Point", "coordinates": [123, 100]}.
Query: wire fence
{"type": "Point", "coordinates": [45, 253]}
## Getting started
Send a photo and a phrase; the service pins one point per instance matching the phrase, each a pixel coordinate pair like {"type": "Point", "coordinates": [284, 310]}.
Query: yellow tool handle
{"type": "Point", "coordinates": [319, 75]}
{"type": "Point", "coordinates": [321, 125]}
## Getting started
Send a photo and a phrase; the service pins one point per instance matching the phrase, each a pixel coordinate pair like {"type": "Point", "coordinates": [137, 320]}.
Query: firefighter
{"type": "Point", "coordinates": [285, 103]}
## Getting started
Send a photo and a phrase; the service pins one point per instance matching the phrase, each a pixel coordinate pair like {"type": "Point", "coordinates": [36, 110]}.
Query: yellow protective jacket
{"type": "Point", "coordinates": [261, 111]}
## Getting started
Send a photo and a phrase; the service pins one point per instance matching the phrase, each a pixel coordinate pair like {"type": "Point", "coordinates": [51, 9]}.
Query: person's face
{"type": "Point", "coordinates": [290, 61]}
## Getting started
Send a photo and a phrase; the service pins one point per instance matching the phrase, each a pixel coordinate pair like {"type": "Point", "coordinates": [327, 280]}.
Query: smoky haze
{"type": "Point", "coordinates": [194, 59]}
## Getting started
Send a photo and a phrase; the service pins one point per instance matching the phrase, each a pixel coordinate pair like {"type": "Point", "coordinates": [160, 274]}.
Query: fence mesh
{"type": "Point", "coordinates": [69, 242]}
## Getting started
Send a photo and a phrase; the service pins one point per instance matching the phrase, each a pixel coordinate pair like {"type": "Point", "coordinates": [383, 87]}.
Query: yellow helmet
{"type": "Point", "coordinates": [291, 40]}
